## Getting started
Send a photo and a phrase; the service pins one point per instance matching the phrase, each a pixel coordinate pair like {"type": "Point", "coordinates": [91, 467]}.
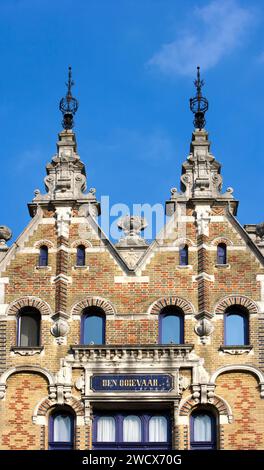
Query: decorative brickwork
{"type": "Point", "coordinates": [183, 304]}
{"type": "Point", "coordinates": [236, 300]}
{"type": "Point", "coordinates": [105, 305]}
{"type": "Point", "coordinates": [30, 301]}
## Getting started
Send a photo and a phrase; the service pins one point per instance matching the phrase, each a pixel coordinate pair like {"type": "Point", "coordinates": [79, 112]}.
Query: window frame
{"type": "Point", "coordinates": [43, 248]}
{"type": "Point", "coordinates": [80, 248]}
{"type": "Point", "coordinates": [219, 260]}
{"type": "Point", "coordinates": [204, 445]}
{"type": "Point", "coordinates": [185, 250]}
{"type": "Point", "coordinates": [238, 311]}
{"type": "Point", "coordinates": [177, 313]}
{"type": "Point", "coordinates": [119, 443]}
{"type": "Point", "coordinates": [23, 312]}
{"type": "Point", "coordinates": [95, 312]}
{"type": "Point", "coordinates": [60, 445]}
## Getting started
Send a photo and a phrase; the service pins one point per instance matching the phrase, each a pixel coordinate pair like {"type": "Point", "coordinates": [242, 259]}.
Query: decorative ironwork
{"type": "Point", "coordinates": [199, 105]}
{"type": "Point", "coordinates": [68, 104]}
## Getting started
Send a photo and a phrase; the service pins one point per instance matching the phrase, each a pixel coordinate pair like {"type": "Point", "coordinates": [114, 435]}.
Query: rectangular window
{"type": "Point", "coordinates": [132, 430]}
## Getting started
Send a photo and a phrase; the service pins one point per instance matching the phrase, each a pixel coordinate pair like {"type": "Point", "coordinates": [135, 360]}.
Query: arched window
{"type": "Point", "coordinates": [93, 326]}
{"type": "Point", "coordinates": [158, 429]}
{"type": "Point", "coordinates": [203, 430]}
{"type": "Point", "coordinates": [171, 326]}
{"type": "Point", "coordinates": [221, 253]}
{"type": "Point", "coordinates": [132, 429]}
{"type": "Point", "coordinates": [28, 327]}
{"type": "Point", "coordinates": [236, 326]}
{"type": "Point", "coordinates": [80, 256]}
{"type": "Point", "coordinates": [43, 256]}
{"type": "Point", "coordinates": [61, 430]}
{"type": "Point", "coordinates": [183, 256]}
{"type": "Point", "coordinates": [106, 429]}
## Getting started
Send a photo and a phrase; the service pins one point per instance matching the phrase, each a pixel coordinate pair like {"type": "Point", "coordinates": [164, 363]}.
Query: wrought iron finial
{"type": "Point", "coordinates": [199, 105]}
{"type": "Point", "coordinates": [68, 104]}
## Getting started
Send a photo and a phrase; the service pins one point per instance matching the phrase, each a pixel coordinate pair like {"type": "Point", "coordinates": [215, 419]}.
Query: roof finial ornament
{"type": "Point", "coordinates": [199, 105]}
{"type": "Point", "coordinates": [68, 104]}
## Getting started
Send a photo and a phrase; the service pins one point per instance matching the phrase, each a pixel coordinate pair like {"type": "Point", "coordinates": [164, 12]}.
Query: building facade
{"type": "Point", "coordinates": [132, 345]}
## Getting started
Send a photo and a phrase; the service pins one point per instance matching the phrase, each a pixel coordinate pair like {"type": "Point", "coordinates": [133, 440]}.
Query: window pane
{"type": "Point", "coordinates": [202, 428]}
{"type": "Point", "coordinates": [171, 326]}
{"type": "Point", "coordinates": [106, 429]}
{"type": "Point", "coordinates": [93, 330]}
{"type": "Point", "coordinates": [29, 331]}
{"type": "Point", "coordinates": [43, 256]}
{"type": "Point", "coordinates": [235, 330]}
{"type": "Point", "coordinates": [132, 429]}
{"type": "Point", "coordinates": [158, 429]}
{"type": "Point", "coordinates": [184, 256]}
{"type": "Point", "coordinates": [80, 261]}
{"type": "Point", "coordinates": [221, 254]}
{"type": "Point", "coordinates": [62, 428]}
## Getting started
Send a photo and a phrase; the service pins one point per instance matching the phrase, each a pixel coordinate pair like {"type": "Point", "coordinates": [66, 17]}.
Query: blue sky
{"type": "Point", "coordinates": [134, 62]}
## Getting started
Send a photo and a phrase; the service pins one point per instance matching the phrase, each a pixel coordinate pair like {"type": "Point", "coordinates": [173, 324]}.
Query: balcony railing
{"type": "Point", "coordinates": [131, 353]}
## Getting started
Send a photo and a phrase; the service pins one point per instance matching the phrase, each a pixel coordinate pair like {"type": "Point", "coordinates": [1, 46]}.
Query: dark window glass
{"type": "Point", "coordinates": [236, 328]}
{"type": "Point", "coordinates": [93, 326]}
{"type": "Point", "coordinates": [80, 258]}
{"type": "Point", "coordinates": [29, 328]}
{"type": "Point", "coordinates": [43, 256]}
{"type": "Point", "coordinates": [221, 253]}
{"type": "Point", "coordinates": [203, 430]}
{"type": "Point", "coordinates": [184, 256]}
{"type": "Point", "coordinates": [171, 326]}
{"type": "Point", "coordinates": [61, 431]}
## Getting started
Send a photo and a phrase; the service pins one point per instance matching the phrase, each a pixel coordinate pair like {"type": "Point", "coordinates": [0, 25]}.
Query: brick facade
{"type": "Point", "coordinates": [227, 381]}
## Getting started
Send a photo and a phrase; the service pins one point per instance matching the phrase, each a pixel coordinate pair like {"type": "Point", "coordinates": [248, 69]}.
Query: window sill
{"type": "Point", "coordinates": [27, 350]}
{"type": "Point", "coordinates": [184, 266]}
{"type": "Point", "coordinates": [43, 268]}
{"type": "Point", "coordinates": [236, 349]}
{"type": "Point", "coordinates": [82, 268]}
{"type": "Point", "coordinates": [224, 266]}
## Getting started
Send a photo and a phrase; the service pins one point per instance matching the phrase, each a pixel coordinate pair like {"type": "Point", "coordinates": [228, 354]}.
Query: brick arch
{"type": "Point", "coordinates": [242, 300]}
{"type": "Point", "coordinates": [29, 301]}
{"type": "Point", "coordinates": [27, 369]}
{"type": "Point", "coordinates": [47, 404]}
{"type": "Point", "coordinates": [184, 241]}
{"type": "Point", "coordinates": [218, 240]}
{"type": "Point", "coordinates": [44, 242]}
{"type": "Point", "coordinates": [217, 402]}
{"type": "Point", "coordinates": [104, 304]}
{"type": "Point", "coordinates": [159, 304]}
{"type": "Point", "coordinates": [80, 241]}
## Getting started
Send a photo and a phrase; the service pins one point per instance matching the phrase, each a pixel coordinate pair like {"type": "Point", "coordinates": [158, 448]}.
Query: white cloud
{"type": "Point", "coordinates": [214, 31]}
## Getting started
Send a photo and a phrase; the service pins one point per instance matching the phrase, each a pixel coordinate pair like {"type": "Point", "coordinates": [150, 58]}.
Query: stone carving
{"type": "Point", "coordinates": [5, 235]}
{"type": "Point", "coordinates": [259, 230]}
{"type": "Point", "coordinates": [131, 257]}
{"type": "Point", "coordinates": [60, 328]}
{"type": "Point", "coordinates": [66, 177]}
{"type": "Point", "coordinates": [132, 226]}
{"type": "Point", "coordinates": [184, 383]}
{"type": "Point", "coordinates": [63, 220]}
{"type": "Point", "coordinates": [204, 329]}
{"type": "Point", "coordinates": [202, 214]}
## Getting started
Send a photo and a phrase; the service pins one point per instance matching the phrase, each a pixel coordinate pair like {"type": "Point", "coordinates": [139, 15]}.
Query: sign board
{"type": "Point", "coordinates": [132, 383]}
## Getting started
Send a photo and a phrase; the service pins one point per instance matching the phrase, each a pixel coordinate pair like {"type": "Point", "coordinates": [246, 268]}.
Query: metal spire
{"type": "Point", "coordinates": [199, 105]}
{"type": "Point", "coordinates": [68, 104]}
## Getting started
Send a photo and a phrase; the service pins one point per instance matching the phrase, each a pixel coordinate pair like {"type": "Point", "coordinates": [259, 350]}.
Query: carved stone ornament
{"type": "Point", "coordinates": [60, 328]}
{"type": "Point", "coordinates": [132, 226]}
{"type": "Point", "coordinates": [5, 235]}
{"type": "Point", "coordinates": [204, 328]}
{"type": "Point", "coordinates": [259, 230]}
